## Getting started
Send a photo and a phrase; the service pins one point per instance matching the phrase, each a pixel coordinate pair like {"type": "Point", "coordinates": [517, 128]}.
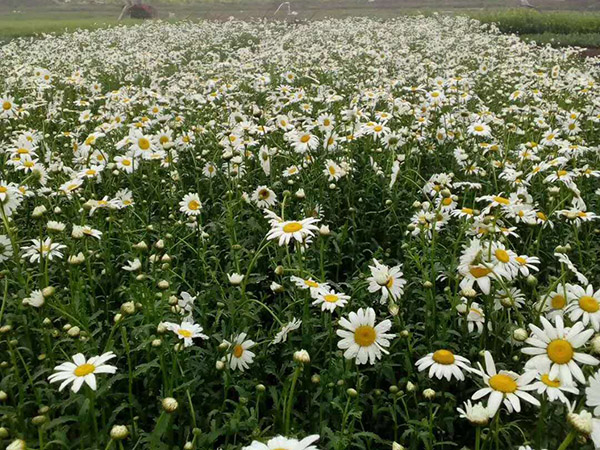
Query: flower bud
{"type": "Point", "coordinates": [38, 211]}
{"type": "Point", "coordinates": [169, 404]}
{"type": "Point", "coordinates": [351, 392]}
{"type": "Point", "coordinates": [48, 291]}
{"type": "Point", "coordinates": [520, 334]}
{"type": "Point", "coordinates": [39, 420]}
{"type": "Point", "coordinates": [17, 444]}
{"type": "Point", "coordinates": [235, 278]}
{"type": "Point", "coordinates": [324, 230]}
{"type": "Point", "coordinates": [302, 357]}
{"type": "Point", "coordinates": [119, 432]}
{"type": "Point", "coordinates": [429, 394]}
{"type": "Point", "coordinates": [128, 308]}
{"type": "Point", "coordinates": [595, 342]}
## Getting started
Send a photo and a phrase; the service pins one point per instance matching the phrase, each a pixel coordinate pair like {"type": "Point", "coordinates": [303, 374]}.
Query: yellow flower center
{"type": "Point", "coordinates": [365, 335]}
{"type": "Point", "coordinates": [447, 201]}
{"type": "Point", "coordinates": [6, 105]}
{"type": "Point", "coordinates": [502, 255]}
{"type": "Point", "coordinates": [330, 298]}
{"type": "Point", "coordinates": [589, 304]}
{"type": "Point", "coordinates": [84, 369]}
{"type": "Point", "coordinates": [332, 170]}
{"type": "Point", "coordinates": [377, 128]}
{"type": "Point", "coordinates": [479, 272]}
{"type": "Point", "coordinates": [558, 301]}
{"type": "Point", "coordinates": [194, 205]}
{"type": "Point", "coordinates": [292, 227]}
{"type": "Point", "coordinates": [445, 357]}
{"type": "Point", "coordinates": [184, 333]}
{"type": "Point", "coordinates": [548, 382]}
{"type": "Point", "coordinates": [311, 283]}
{"type": "Point", "coordinates": [126, 162]}
{"type": "Point", "coordinates": [305, 138]}
{"type": "Point", "coordinates": [164, 139]}
{"type": "Point", "coordinates": [560, 351]}
{"type": "Point", "coordinates": [503, 383]}
{"type": "Point", "coordinates": [389, 283]}
{"type": "Point", "coordinates": [502, 200]}
{"type": "Point", "coordinates": [468, 211]}
{"type": "Point", "coordinates": [478, 128]}
{"type": "Point", "coordinates": [143, 143]}
{"type": "Point", "coordinates": [238, 350]}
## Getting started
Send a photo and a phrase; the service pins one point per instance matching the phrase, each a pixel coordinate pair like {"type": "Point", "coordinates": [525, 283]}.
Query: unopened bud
{"type": "Point", "coordinates": [169, 404]}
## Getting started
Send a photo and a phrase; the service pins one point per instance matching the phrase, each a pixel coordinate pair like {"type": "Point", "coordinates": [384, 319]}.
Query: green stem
{"type": "Point", "coordinates": [290, 400]}
{"type": "Point", "coordinates": [567, 441]}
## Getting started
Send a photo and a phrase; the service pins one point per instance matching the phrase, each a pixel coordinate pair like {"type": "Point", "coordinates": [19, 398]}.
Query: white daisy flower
{"type": "Point", "coordinates": [187, 331]}
{"type": "Point", "coordinates": [554, 349]}
{"type": "Point", "coordinates": [282, 334]}
{"type": "Point", "coordinates": [444, 363]}
{"type": "Point", "coordinates": [504, 387]}
{"type": "Point", "coordinates": [82, 370]}
{"type": "Point", "coordinates": [264, 197]}
{"type": "Point", "coordinates": [284, 443]}
{"type": "Point", "coordinates": [362, 339]}
{"type": "Point", "coordinates": [308, 283]}
{"type": "Point", "coordinates": [387, 280]}
{"type": "Point", "coordinates": [240, 357]}
{"type": "Point", "coordinates": [584, 305]}
{"type": "Point", "coordinates": [476, 413]}
{"type": "Point", "coordinates": [291, 229]}
{"type": "Point", "coordinates": [330, 300]}
{"type": "Point", "coordinates": [43, 249]}
{"type": "Point", "coordinates": [554, 388]}
{"type": "Point", "coordinates": [190, 204]}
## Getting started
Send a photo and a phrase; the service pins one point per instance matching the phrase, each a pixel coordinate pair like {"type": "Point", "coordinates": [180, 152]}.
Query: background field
{"type": "Point", "coordinates": [558, 22]}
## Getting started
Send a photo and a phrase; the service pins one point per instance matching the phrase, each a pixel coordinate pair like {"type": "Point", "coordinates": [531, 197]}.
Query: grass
{"type": "Point", "coordinates": [558, 28]}
{"type": "Point", "coordinates": [522, 21]}
{"type": "Point", "coordinates": [561, 40]}
{"type": "Point", "coordinates": [24, 28]}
